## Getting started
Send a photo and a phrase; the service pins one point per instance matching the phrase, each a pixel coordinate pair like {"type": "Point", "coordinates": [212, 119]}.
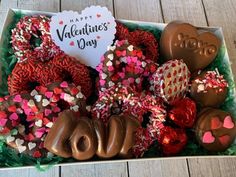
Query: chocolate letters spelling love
{"type": "Point", "coordinates": [82, 137]}
{"type": "Point", "coordinates": [182, 40]}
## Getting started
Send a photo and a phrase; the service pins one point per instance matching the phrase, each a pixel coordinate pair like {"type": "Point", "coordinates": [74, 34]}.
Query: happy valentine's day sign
{"type": "Point", "coordinates": [86, 35]}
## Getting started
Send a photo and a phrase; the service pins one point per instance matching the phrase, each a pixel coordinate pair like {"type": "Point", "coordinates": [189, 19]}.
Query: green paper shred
{"type": "Point", "coordinates": [9, 157]}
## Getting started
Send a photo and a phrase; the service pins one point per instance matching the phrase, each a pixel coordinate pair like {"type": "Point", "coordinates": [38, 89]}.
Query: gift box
{"type": "Point", "coordinates": [222, 62]}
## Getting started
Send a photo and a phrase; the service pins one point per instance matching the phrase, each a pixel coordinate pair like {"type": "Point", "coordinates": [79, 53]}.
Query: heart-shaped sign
{"type": "Point", "coordinates": [183, 41]}
{"type": "Point", "coordinates": [84, 36]}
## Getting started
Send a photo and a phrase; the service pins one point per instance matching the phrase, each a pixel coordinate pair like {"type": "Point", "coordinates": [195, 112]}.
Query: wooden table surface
{"type": "Point", "coordinates": [198, 12]}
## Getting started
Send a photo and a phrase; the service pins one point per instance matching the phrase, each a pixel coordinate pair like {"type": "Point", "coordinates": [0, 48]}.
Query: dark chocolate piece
{"type": "Point", "coordinates": [183, 41]}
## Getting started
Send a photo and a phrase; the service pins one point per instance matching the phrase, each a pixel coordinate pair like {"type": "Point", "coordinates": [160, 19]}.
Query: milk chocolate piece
{"type": "Point", "coordinates": [83, 140]}
{"type": "Point", "coordinates": [209, 89]}
{"type": "Point", "coordinates": [131, 126]}
{"type": "Point", "coordinates": [215, 129]}
{"type": "Point", "coordinates": [57, 140]}
{"type": "Point", "coordinates": [183, 41]}
{"type": "Point", "coordinates": [110, 138]}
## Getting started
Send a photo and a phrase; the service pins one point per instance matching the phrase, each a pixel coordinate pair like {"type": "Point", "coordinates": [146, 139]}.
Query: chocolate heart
{"type": "Point", "coordinates": [183, 41]}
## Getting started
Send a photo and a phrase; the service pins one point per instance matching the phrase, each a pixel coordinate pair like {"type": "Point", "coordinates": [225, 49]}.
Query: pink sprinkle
{"type": "Point", "coordinates": [17, 98]}
{"type": "Point", "coordinates": [125, 82]}
{"type": "Point", "coordinates": [64, 84]}
{"type": "Point", "coordinates": [3, 122]}
{"type": "Point", "coordinates": [49, 94]}
{"type": "Point", "coordinates": [131, 80]}
{"type": "Point", "coordinates": [47, 112]}
{"type": "Point", "coordinates": [110, 68]}
{"type": "Point", "coordinates": [102, 82]}
{"type": "Point", "coordinates": [27, 111]}
{"type": "Point", "coordinates": [122, 75]}
{"type": "Point", "coordinates": [134, 59]}
{"type": "Point", "coordinates": [13, 116]}
{"type": "Point", "coordinates": [39, 133]}
{"type": "Point", "coordinates": [62, 95]}
{"type": "Point", "coordinates": [56, 109]}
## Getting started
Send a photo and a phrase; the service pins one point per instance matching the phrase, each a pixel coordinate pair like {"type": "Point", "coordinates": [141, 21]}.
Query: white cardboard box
{"type": "Point", "coordinates": [216, 30]}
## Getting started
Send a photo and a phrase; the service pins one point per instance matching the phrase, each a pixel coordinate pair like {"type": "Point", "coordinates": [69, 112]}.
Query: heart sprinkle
{"type": "Point", "coordinates": [39, 123]}
{"type": "Point", "coordinates": [208, 137]}
{"type": "Point", "coordinates": [38, 98]}
{"type": "Point", "coordinates": [17, 99]}
{"type": "Point", "coordinates": [228, 123]}
{"type": "Point", "coordinates": [80, 95]}
{"type": "Point", "coordinates": [49, 125]}
{"type": "Point", "coordinates": [64, 84]}
{"type": "Point", "coordinates": [49, 94]}
{"type": "Point", "coordinates": [75, 108]}
{"type": "Point", "coordinates": [131, 48]}
{"type": "Point", "coordinates": [34, 92]}
{"type": "Point", "coordinates": [10, 139]}
{"type": "Point", "coordinates": [110, 56]}
{"type": "Point", "coordinates": [13, 116]}
{"type": "Point", "coordinates": [224, 140]}
{"type": "Point", "coordinates": [45, 103]}
{"type": "Point", "coordinates": [31, 145]}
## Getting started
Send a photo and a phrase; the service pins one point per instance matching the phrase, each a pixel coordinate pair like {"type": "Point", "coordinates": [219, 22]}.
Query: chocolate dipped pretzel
{"type": "Point", "coordinates": [25, 119]}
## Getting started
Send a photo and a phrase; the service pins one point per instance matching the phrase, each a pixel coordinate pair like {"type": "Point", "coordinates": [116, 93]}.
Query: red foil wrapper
{"type": "Point", "coordinates": [183, 113]}
{"type": "Point", "coordinates": [171, 140]}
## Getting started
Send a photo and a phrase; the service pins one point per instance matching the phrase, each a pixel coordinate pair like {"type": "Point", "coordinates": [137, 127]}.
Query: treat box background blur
{"type": "Point", "coordinates": [216, 30]}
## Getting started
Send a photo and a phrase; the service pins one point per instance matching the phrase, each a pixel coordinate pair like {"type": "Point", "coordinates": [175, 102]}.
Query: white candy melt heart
{"type": "Point", "coordinates": [68, 98]}
{"type": "Point", "coordinates": [131, 48]}
{"type": "Point", "coordinates": [45, 102]}
{"type": "Point", "coordinates": [34, 92]}
{"type": "Point", "coordinates": [21, 148]}
{"type": "Point", "coordinates": [38, 98]}
{"type": "Point", "coordinates": [39, 123]}
{"type": "Point", "coordinates": [110, 56]}
{"type": "Point", "coordinates": [80, 95]}
{"type": "Point", "coordinates": [10, 139]}
{"type": "Point", "coordinates": [86, 35]}
{"type": "Point", "coordinates": [110, 83]}
{"type": "Point", "coordinates": [19, 142]}
{"type": "Point", "coordinates": [75, 108]}
{"type": "Point", "coordinates": [31, 103]}
{"type": "Point", "coordinates": [104, 76]}
{"type": "Point", "coordinates": [144, 64]}
{"type": "Point", "coordinates": [49, 125]}
{"type": "Point", "coordinates": [112, 48]}
{"type": "Point", "coordinates": [31, 145]}
{"type": "Point", "coordinates": [109, 63]}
